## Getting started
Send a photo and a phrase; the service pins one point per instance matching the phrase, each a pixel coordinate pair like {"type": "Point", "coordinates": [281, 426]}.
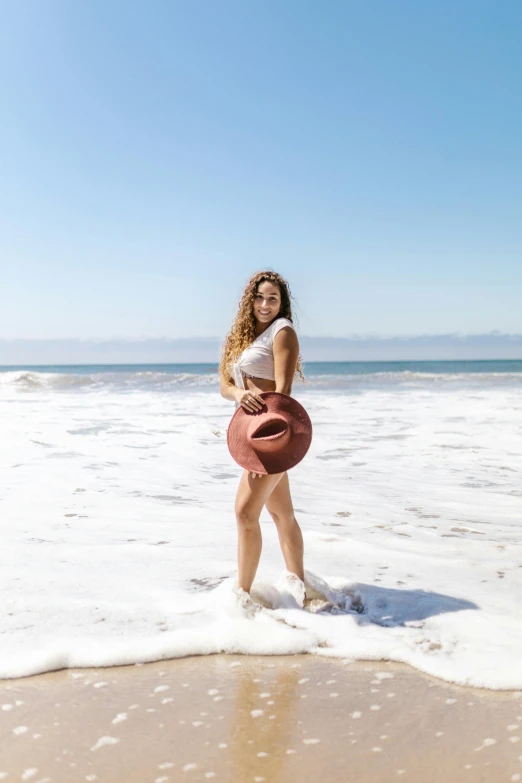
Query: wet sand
{"type": "Point", "coordinates": [238, 719]}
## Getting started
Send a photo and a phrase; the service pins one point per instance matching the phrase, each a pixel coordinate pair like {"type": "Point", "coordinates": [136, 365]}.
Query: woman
{"type": "Point", "coordinates": [262, 339]}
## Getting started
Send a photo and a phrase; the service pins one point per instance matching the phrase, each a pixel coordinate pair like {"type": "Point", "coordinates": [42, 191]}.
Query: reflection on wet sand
{"type": "Point", "coordinates": [262, 723]}
{"type": "Point", "coordinates": [251, 719]}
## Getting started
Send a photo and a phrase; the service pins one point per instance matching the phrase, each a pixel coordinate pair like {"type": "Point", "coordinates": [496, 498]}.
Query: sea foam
{"type": "Point", "coordinates": [119, 539]}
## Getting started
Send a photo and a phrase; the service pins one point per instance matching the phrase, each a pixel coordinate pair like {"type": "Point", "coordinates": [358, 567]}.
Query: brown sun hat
{"type": "Point", "coordinates": [273, 439]}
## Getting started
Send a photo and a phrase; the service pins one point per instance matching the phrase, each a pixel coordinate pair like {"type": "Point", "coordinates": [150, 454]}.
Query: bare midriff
{"type": "Point", "coordinates": [258, 384]}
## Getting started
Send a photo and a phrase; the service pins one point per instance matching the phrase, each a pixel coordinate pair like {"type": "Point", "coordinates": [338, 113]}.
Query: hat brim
{"type": "Point", "coordinates": [272, 462]}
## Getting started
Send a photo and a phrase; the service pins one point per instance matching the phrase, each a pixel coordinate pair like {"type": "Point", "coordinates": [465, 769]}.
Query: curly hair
{"type": "Point", "coordinates": [243, 331]}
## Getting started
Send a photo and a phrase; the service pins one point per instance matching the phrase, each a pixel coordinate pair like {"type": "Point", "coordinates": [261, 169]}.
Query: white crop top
{"type": "Point", "coordinates": [257, 360]}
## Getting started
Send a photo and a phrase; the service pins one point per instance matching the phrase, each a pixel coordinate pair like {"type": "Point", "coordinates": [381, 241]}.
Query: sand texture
{"type": "Point", "coordinates": [257, 719]}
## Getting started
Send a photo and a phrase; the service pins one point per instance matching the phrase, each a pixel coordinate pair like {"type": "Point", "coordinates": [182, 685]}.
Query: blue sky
{"type": "Point", "coordinates": [154, 154]}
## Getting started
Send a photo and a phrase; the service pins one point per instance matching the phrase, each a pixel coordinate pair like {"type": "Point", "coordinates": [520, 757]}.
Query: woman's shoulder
{"type": "Point", "coordinates": [279, 324]}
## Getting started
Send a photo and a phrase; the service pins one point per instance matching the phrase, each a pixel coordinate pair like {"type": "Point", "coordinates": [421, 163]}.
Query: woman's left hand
{"type": "Point", "coordinates": [256, 475]}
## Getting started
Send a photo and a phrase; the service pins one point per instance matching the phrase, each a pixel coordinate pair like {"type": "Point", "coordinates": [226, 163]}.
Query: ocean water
{"type": "Point", "coordinates": [119, 540]}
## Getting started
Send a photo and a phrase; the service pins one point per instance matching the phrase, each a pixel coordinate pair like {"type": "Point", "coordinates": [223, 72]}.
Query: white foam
{"type": "Point", "coordinates": [105, 741]}
{"type": "Point", "coordinates": [409, 499]}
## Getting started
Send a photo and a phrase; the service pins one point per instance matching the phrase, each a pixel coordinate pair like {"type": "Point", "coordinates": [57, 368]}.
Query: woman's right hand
{"type": "Point", "coordinates": [250, 401]}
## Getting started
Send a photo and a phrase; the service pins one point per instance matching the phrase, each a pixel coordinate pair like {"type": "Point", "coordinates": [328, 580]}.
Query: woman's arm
{"type": "Point", "coordinates": [249, 400]}
{"type": "Point", "coordinates": [286, 354]}
{"type": "Point", "coordinates": [228, 390]}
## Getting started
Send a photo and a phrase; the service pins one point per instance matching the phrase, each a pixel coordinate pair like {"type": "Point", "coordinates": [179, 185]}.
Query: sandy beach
{"type": "Point", "coordinates": [202, 203]}
{"type": "Point", "coordinates": [118, 599]}
{"type": "Point", "coordinates": [260, 719]}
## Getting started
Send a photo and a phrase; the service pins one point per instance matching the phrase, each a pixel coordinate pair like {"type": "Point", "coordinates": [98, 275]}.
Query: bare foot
{"type": "Point", "coordinates": [291, 584]}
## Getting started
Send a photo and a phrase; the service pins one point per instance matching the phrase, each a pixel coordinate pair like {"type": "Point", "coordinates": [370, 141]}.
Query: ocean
{"type": "Point", "coordinates": [118, 531]}
{"type": "Point", "coordinates": [324, 375]}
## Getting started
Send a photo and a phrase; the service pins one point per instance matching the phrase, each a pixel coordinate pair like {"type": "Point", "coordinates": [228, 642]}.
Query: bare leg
{"type": "Point", "coordinates": [279, 504]}
{"type": "Point", "coordinates": [251, 496]}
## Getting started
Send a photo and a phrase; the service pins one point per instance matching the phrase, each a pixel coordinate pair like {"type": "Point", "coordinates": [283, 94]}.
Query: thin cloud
{"type": "Point", "coordinates": [492, 345]}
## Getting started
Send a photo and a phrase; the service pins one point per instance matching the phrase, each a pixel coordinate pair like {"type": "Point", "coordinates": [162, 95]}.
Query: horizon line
{"type": "Point", "coordinates": [313, 361]}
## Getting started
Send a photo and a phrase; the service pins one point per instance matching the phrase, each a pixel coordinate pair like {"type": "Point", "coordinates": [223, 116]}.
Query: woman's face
{"type": "Point", "coordinates": [267, 302]}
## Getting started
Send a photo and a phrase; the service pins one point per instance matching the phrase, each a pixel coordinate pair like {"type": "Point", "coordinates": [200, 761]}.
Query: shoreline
{"type": "Point", "coordinates": [250, 718]}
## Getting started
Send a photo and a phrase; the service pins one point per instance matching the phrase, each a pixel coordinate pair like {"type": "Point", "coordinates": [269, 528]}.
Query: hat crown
{"type": "Point", "coordinates": [268, 432]}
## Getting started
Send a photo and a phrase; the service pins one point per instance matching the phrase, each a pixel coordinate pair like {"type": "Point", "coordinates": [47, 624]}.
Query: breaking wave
{"type": "Point", "coordinates": [170, 380]}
